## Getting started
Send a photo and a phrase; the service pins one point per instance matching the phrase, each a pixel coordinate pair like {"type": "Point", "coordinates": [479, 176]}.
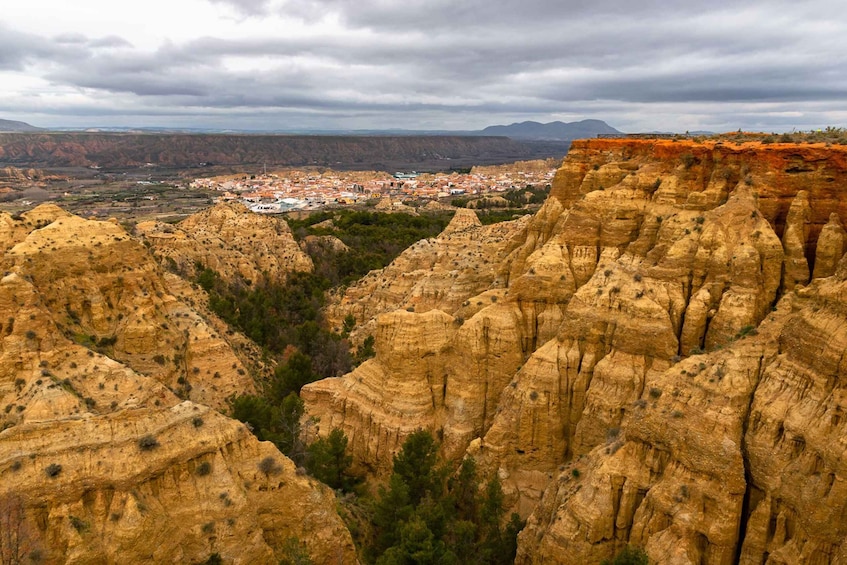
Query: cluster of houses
{"type": "Point", "coordinates": [296, 189]}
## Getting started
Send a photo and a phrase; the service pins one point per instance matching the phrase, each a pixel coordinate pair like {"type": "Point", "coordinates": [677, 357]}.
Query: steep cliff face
{"type": "Point", "coordinates": [728, 457]}
{"type": "Point", "coordinates": [646, 255]}
{"type": "Point", "coordinates": [230, 240]}
{"type": "Point", "coordinates": [164, 485]}
{"type": "Point", "coordinates": [107, 463]}
{"type": "Point", "coordinates": [442, 273]}
{"type": "Point", "coordinates": [106, 292]}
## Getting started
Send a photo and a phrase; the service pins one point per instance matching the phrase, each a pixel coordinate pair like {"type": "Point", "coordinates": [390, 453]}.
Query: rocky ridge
{"type": "Point", "coordinates": [71, 149]}
{"type": "Point", "coordinates": [227, 239]}
{"type": "Point", "coordinates": [106, 292]}
{"type": "Point", "coordinates": [109, 370]}
{"type": "Point", "coordinates": [441, 272]}
{"type": "Point", "coordinates": [632, 368]}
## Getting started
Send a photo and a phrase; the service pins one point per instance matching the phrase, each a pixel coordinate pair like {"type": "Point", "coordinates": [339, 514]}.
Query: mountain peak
{"type": "Point", "coordinates": [12, 125]}
{"type": "Point", "coordinates": [558, 131]}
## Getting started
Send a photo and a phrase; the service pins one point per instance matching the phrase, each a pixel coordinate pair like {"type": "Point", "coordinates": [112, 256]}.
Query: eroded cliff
{"type": "Point", "coordinates": [226, 238]}
{"type": "Point", "coordinates": [110, 448]}
{"type": "Point", "coordinates": [615, 348]}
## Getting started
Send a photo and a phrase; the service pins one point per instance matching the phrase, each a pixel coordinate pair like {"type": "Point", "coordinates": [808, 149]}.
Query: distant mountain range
{"type": "Point", "coordinates": [12, 125]}
{"type": "Point", "coordinates": [525, 131]}
{"type": "Point", "coordinates": [554, 131]}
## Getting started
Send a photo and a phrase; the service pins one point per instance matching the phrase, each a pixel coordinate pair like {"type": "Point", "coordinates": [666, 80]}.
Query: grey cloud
{"type": "Point", "coordinates": [246, 7]}
{"type": "Point", "coordinates": [110, 41]}
{"type": "Point", "coordinates": [85, 41]}
{"type": "Point", "coordinates": [71, 38]}
{"type": "Point", "coordinates": [426, 60]}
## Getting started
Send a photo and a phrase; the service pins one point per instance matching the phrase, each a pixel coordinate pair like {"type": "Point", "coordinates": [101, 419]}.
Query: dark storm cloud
{"type": "Point", "coordinates": [480, 59]}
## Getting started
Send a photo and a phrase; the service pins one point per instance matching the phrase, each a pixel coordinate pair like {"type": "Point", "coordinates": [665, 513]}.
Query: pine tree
{"type": "Point", "coordinates": [329, 463]}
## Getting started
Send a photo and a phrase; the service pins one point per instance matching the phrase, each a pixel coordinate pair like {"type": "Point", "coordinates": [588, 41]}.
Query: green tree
{"type": "Point", "coordinates": [329, 462]}
{"type": "Point", "coordinates": [279, 424]}
{"type": "Point", "coordinates": [463, 489]}
{"type": "Point", "coordinates": [290, 376]}
{"type": "Point", "coordinates": [365, 351]}
{"type": "Point", "coordinates": [289, 441]}
{"type": "Point", "coordinates": [392, 508]}
{"type": "Point", "coordinates": [348, 324]}
{"type": "Point", "coordinates": [421, 516]}
{"type": "Point", "coordinates": [415, 465]}
{"type": "Point", "coordinates": [418, 546]}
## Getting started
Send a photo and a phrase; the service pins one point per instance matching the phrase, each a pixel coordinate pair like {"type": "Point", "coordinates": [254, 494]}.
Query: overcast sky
{"type": "Point", "coordinates": [424, 64]}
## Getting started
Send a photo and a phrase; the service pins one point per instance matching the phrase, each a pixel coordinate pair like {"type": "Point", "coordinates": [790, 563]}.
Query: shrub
{"type": "Point", "coordinates": [79, 524]}
{"type": "Point", "coordinates": [575, 473]}
{"type": "Point", "coordinates": [53, 470]}
{"type": "Point", "coordinates": [628, 556]}
{"type": "Point", "coordinates": [747, 330]}
{"type": "Point", "coordinates": [269, 466]}
{"type": "Point", "coordinates": [148, 442]}
{"type": "Point", "coordinates": [203, 469]}
{"type": "Point", "coordinates": [197, 421]}
{"type": "Point", "coordinates": [655, 392]}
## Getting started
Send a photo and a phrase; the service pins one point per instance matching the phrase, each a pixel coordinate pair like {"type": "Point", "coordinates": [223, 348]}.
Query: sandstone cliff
{"type": "Point", "coordinates": [583, 357]}
{"type": "Point", "coordinates": [233, 242]}
{"type": "Point", "coordinates": [105, 291]}
{"type": "Point", "coordinates": [441, 272]}
{"type": "Point", "coordinates": [164, 485]}
{"type": "Point", "coordinates": [97, 345]}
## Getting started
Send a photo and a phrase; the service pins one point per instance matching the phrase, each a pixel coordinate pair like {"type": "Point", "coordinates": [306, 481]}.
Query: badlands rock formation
{"type": "Point", "coordinates": [647, 360]}
{"type": "Point", "coordinates": [105, 291]}
{"type": "Point", "coordinates": [442, 272]}
{"type": "Point", "coordinates": [109, 439]}
{"type": "Point", "coordinates": [229, 240]}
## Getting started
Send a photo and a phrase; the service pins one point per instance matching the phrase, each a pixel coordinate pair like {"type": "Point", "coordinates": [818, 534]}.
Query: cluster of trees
{"type": "Point", "coordinates": [285, 319]}
{"type": "Point", "coordinates": [531, 194]}
{"type": "Point", "coordinates": [424, 515]}
{"type": "Point", "coordinates": [490, 212]}
{"type": "Point", "coordinates": [516, 198]}
{"type": "Point", "coordinates": [373, 239]}
{"type": "Point", "coordinates": [628, 556]}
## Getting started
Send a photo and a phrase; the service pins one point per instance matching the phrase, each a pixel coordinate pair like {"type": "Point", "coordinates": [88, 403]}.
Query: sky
{"type": "Point", "coordinates": [644, 65]}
